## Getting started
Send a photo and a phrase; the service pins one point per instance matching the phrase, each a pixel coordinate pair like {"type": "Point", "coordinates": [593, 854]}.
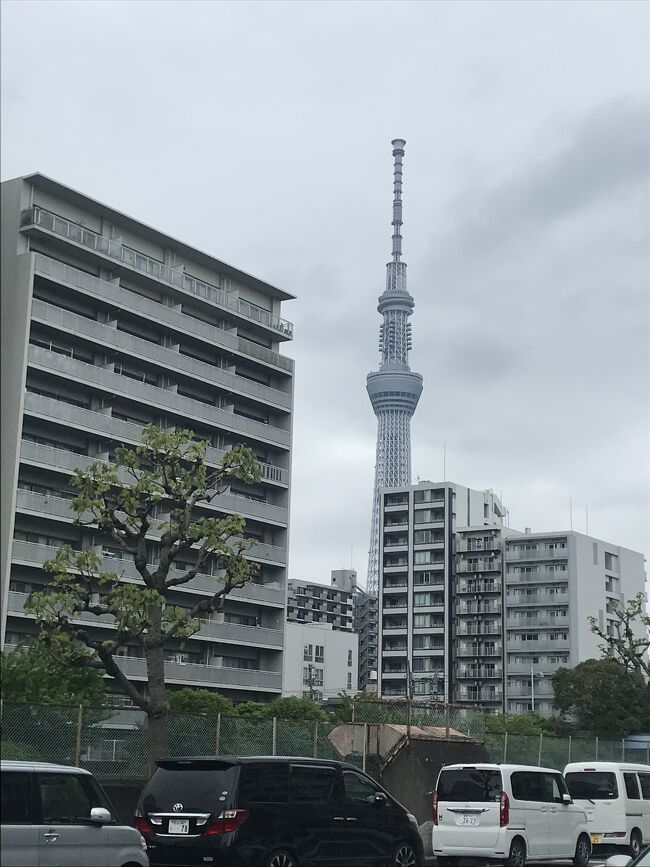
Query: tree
{"type": "Point", "coordinates": [200, 701]}
{"type": "Point", "coordinates": [630, 639]}
{"type": "Point", "coordinates": [296, 708]}
{"type": "Point", "coordinates": [603, 697]}
{"type": "Point", "coordinates": [31, 673]}
{"type": "Point", "coordinates": [148, 495]}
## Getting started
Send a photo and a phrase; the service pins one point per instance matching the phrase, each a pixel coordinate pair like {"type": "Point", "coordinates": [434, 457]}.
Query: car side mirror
{"type": "Point", "coordinates": [618, 861]}
{"type": "Point", "coordinates": [379, 798]}
{"type": "Point", "coordinates": [100, 816]}
{"type": "Point", "coordinates": [566, 798]}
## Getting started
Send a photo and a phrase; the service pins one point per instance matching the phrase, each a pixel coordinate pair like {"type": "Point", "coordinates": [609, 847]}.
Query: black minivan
{"type": "Point", "coordinates": [272, 812]}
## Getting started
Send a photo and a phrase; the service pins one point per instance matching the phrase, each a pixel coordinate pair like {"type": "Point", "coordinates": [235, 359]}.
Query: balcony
{"type": "Point", "coordinates": [474, 548]}
{"type": "Point", "coordinates": [469, 696]}
{"type": "Point", "coordinates": [493, 565]}
{"type": "Point", "coordinates": [196, 674]}
{"type": "Point", "coordinates": [522, 668]}
{"type": "Point", "coordinates": [167, 360]}
{"type": "Point", "coordinates": [537, 622]}
{"type": "Point", "coordinates": [396, 542]}
{"type": "Point", "coordinates": [395, 588]}
{"type": "Point", "coordinates": [395, 526]}
{"type": "Point", "coordinates": [478, 587]}
{"type": "Point", "coordinates": [394, 651]}
{"type": "Point", "coordinates": [399, 672]}
{"type": "Point", "coordinates": [31, 554]}
{"type": "Point", "coordinates": [533, 646]}
{"type": "Point", "coordinates": [541, 553]}
{"type": "Point", "coordinates": [468, 608]}
{"type": "Point", "coordinates": [228, 633]}
{"type": "Point", "coordinates": [542, 576]}
{"type": "Point", "coordinates": [102, 379]}
{"type": "Point", "coordinates": [470, 648]}
{"type": "Point", "coordinates": [105, 291]}
{"type": "Point", "coordinates": [398, 626]}
{"type": "Point", "coordinates": [480, 673]}
{"type": "Point", "coordinates": [58, 459]}
{"type": "Point", "coordinates": [542, 690]}
{"type": "Point", "coordinates": [113, 250]}
{"type": "Point", "coordinates": [541, 598]}
{"type": "Point", "coordinates": [477, 629]}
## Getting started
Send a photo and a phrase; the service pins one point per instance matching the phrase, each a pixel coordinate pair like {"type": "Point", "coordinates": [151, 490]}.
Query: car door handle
{"type": "Point", "coordinates": [51, 836]}
{"type": "Point", "coordinates": [339, 818]}
{"type": "Point", "coordinates": [351, 819]}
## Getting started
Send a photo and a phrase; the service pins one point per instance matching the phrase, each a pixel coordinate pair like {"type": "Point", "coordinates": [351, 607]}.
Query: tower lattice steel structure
{"type": "Point", "coordinates": [394, 390]}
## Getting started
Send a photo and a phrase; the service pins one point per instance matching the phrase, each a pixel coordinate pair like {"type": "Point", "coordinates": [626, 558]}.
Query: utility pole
{"type": "Point", "coordinates": [311, 670]}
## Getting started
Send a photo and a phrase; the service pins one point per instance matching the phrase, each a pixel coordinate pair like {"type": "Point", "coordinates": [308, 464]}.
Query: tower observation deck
{"type": "Point", "coordinates": [394, 390]}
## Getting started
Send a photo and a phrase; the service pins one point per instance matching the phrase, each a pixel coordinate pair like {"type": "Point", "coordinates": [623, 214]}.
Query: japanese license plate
{"type": "Point", "coordinates": [468, 820]}
{"type": "Point", "coordinates": [595, 838]}
{"type": "Point", "coordinates": [179, 826]}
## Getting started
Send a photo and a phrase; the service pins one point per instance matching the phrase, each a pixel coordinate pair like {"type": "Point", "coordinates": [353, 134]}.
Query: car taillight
{"type": "Point", "coordinates": [226, 821]}
{"type": "Point", "coordinates": [435, 808]}
{"type": "Point", "coordinates": [504, 810]}
{"type": "Point", "coordinates": [143, 825]}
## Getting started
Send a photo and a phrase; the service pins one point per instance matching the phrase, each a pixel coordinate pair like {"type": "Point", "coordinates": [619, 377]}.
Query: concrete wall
{"type": "Point", "coordinates": [16, 296]}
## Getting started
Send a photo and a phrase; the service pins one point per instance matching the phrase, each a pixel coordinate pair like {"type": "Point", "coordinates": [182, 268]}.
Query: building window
{"type": "Point", "coordinates": [308, 654]}
{"type": "Point", "coordinates": [349, 680]}
{"type": "Point", "coordinates": [349, 659]}
{"type": "Point", "coordinates": [320, 653]}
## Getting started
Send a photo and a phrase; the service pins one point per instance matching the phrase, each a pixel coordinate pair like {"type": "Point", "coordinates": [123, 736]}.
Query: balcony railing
{"type": "Point", "coordinates": [213, 675]}
{"type": "Point", "coordinates": [465, 608]}
{"type": "Point", "coordinates": [536, 622]}
{"type": "Point", "coordinates": [168, 360]}
{"type": "Point", "coordinates": [480, 673]}
{"type": "Point", "coordinates": [184, 407]}
{"type": "Point", "coordinates": [465, 695]}
{"type": "Point", "coordinates": [153, 310]}
{"type": "Point", "coordinates": [541, 576]}
{"type": "Point", "coordinates": [478, 629]}
{"type": "Point", "coordinates": [153, 268]}
{"type": "Point", "coordinates": [541, 553]}
{"type": "Point", "coordinates": [125, 431]}
{"type": "Point", "coordinates": [478, 587]}
{"type": "Point", "coordinates": [470, 648]}
{"type": "Point", "coordinates": [474, 548]}
{"type": "Point", "coordinates": [479, 566]}
{"type": "Point", "coordinates": [533, 646]}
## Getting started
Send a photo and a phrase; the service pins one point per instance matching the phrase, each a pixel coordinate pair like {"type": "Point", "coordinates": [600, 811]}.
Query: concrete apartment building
{"type": "Point", "coordinates": [366, 625]}
{"type": "Point", "coordinates": [320, 661]}
{"type": "Point", "coordinates": [108, 324]}
{"type": "Point", "coordinates": [553, 582]}
{"type": "Point", "coordinates": [417, 571]}
{"type": "Point", "coordinates": [322, 650]}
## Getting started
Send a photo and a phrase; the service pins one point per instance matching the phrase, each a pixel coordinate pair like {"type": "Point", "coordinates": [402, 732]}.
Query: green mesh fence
{"type": "Point", "coordinates": [114, 743]}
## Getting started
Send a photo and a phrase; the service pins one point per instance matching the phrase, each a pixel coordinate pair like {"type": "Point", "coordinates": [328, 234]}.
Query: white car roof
{"type": "Point", "coordinates": [44, 767]}
{"type": "Point", "coordinates": [606, 766]}
{"type": "Point", "coordinates": [491, 766]}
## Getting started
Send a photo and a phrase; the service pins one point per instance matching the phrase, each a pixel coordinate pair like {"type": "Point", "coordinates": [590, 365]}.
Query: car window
{"type": "Point", "coordinates": [531, 786]}
{"type": "Point", "coordinates": [15, 798]}
{"type": "Point", "coordinates": [631, 787]}
{"type": "Point", "coordinates": [469, 784]}
{"type": "Point", "coordinates": [311, 784]}
{"type": "Point", "coordinates": [644, 779]}
{"type": "Point", "coordinates": [264, 783]}
{"type": "Point", "coordinates": [198, 786]}
{"type": "Point", "coordinates": [358, 788]}
{"type": "Point", "coordinates": [554, 787]}
{"type": "Point", "coordinates": [594, 785]}
{"type": "Point", "coordinates": [64, 799]}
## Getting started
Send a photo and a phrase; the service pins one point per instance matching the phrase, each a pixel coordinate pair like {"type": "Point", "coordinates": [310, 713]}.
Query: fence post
{"type": "Point", "coordinates": [275, 735]}
{"type": "Point", "coordinates": [569, 756]}
{"type": "Point", "coordinates": [539, 756]}
{"type": "Point", "coordinates": [647, 753]}
{"type": "Point", "coordinates": [217, 736]}
{"type": "Point", "coordinates": [315, 739]}
{"type": "Point", "coordinates": [505, 748]}
{"type": "Point", "coordinates": [353, 709]}
{"type": "Point", "coordinates": [365, 747]}
{"type": "Point", "coordinates": [596, 747]}
{"type": "Point", "coordinates": [447, 720]}
{"type": "Point", "coordinates": [80, 716]}
{"type": "Point", "coordinates": [623, 743]}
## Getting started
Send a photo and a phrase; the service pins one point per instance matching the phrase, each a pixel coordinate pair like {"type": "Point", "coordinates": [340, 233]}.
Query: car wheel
{"type": "Point", "coordinates": [405, 856]}
{"type": "Point", "coordinates": [517, 856]}
{"type": "Point", "coordinates": [583, 851]}
{"type": "Point", "coordinates": [281, 858]}
{"type": "Point", "coordinates": [635, 843]}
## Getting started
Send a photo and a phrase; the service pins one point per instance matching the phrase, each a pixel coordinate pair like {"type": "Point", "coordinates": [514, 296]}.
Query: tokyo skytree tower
{"type": "Point", "coordinates": [394, 390]}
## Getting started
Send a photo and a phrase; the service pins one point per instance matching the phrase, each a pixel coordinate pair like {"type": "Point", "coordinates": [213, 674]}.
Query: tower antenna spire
{"type": "Point", "coordinates": [398, 154]}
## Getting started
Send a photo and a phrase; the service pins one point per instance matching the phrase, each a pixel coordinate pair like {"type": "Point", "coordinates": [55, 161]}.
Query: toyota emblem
{"type": "Point", "coordinates": [177, 808]}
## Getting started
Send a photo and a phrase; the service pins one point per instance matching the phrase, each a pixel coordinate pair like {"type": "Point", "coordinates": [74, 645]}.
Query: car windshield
{"type": "Point", "coordinates": [592, 785]}
{"type": "Point", "coordinates": [469, 784]}
{"type": "Point", "coordinates": [197, 787]}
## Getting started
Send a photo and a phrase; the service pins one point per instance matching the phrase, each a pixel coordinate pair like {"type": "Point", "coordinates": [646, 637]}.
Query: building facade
{"type": "Point", "coordinates": [417, 592]}
{"type": "Point", "coordinates": [553, 583]}
{"type": "Point", "coordinates": [309, 602]}
{"type": "Point", "coordinates": [109, 325]}
{"type": "Point", "coordinates": [320, 661]}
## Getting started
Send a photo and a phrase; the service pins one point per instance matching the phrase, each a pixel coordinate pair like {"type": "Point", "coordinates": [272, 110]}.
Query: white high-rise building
{"type": "Point", "coordinates": [107, 325]}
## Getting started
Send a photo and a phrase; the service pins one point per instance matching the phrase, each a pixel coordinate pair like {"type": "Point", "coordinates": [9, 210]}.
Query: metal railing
{"type": "Point", "coordinates": [541, 553]}
{"type": "Point", "coordinates": [479, 566]}
{"type": "Point", "coordinates": [153, 268]}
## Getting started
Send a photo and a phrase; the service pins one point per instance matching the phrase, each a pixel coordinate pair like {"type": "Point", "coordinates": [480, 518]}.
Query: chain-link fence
{"type": "Point", "coordinates": [114, 742]}
{"type": "Point", "coordinates": [452, 717]}
{"type": "Point", "coordinates": [554, 752]}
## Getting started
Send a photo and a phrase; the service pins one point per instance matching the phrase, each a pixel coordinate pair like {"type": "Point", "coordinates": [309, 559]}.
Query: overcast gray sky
{"type": "Point", "coordinates": [261, 133]}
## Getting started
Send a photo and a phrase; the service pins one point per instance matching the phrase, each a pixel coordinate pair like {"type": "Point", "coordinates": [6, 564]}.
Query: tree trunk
{"type": "Point", "coordinates": [158, 713]}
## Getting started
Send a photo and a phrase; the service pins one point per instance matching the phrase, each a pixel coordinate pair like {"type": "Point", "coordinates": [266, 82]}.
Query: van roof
{"type": "Point", "coordinates": [44, 767]}
{"type": "Point", "coordinates": [243, 760]}
{"type": "Point", "coordinates": [492, 766]}
{"type": "Point", "coordinates": [606, 766]}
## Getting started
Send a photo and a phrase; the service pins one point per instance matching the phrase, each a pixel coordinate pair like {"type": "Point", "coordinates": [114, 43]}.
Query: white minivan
{"type": "Point", "coordinates": [507, 813]}
{"type": "Point", "coordinates": [616, 797]}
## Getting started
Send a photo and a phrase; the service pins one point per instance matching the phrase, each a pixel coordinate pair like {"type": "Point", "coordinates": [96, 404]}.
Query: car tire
{"type": "Point", "coordinates": [405, 856]}
{"type": "Point", "coordinates": [583, 851]}
{"type": "Point", "coordinates": [517, 854]}
{"type": "Point", "coordinates": [635, 843]}
{"type": "Point", "coordinates": [281, 858]}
